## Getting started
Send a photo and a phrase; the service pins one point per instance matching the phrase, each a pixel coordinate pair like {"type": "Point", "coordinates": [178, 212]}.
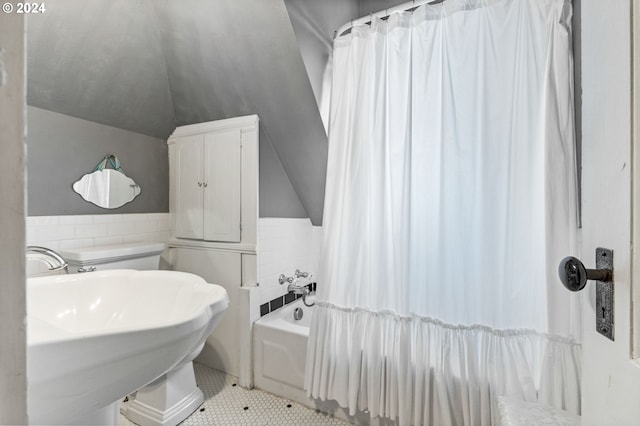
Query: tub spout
{"type": "Point", "coordinates": [298, 289]}
{"type": "Point", "coordinates": [304, 300]}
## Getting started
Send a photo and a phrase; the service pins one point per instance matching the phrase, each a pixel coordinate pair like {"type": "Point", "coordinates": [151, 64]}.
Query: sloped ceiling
{"type": "Point", "coordinates": [150, 65]}
{"type": "Point", "coordinates": [315, 23]}
{"type": "Point", "coordinates": [102, 61]}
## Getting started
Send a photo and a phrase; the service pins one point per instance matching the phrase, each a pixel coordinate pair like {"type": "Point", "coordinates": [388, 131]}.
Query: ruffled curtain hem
{"type": "Point", "coordinates": [421, 371]}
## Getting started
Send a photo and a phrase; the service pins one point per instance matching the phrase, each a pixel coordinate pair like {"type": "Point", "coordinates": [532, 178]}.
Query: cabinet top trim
{"type": "Point", "coordinates": [247, 122]}
{"type": "Point", "coordinates": [212, 245]}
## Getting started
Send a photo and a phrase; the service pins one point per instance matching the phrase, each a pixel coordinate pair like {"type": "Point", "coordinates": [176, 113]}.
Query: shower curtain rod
{"type": "Point", "coordinates": [409, 6]}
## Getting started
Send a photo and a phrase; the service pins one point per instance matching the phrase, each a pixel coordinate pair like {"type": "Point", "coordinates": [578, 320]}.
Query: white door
{"type": "Point", "coordinates": [611, 377]}
{"type": "Point", "coordinates": [222, 166]}
{"type": "Point", "coordinates": [189, 184]}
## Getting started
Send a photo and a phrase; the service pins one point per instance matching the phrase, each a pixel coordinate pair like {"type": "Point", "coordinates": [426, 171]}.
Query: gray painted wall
{"type": "Point", "coordinates": [150, 65]}
{"type": "Point", "coordinates": [277, 196]}
{"type": "Point", "coordinates": [60, 149]}
{"type": "Point", "coordinates": [237, 57]}
{"type": "Point", "coordinates": [314, 23]}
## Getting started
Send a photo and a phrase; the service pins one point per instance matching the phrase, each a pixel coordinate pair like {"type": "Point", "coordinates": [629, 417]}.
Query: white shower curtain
{"type": "Point", "coordinates": [450, 200]}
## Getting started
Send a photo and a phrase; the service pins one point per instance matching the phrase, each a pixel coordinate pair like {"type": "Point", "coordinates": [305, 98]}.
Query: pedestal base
{"type": "Point", "coordinates": [167, 401]}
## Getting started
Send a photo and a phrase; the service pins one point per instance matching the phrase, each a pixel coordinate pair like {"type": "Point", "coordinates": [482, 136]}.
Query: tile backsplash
{"type": "Point", "coordinates": [280, 301]}
{"type": "Point", "coordinates": [285, 245]}
{"type": "Point", "coordinates": [67, 232]}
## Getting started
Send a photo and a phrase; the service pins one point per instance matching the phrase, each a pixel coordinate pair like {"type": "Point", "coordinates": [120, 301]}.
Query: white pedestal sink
{"type": "Point", "coordinates": [94, 338]}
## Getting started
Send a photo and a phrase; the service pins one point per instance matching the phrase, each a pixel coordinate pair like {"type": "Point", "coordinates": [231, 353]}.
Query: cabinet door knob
{"type": "Point", "coordinates": [199, 183]}
{"type": "Point", "coordinates": [204, 184]}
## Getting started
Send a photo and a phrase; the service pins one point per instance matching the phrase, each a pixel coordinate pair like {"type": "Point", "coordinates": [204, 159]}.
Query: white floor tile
{"type": "Point", "coordinates": [227, 403]}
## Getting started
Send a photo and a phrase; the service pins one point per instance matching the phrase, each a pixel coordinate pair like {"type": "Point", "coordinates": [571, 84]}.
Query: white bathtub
{"type": "Point", "coordinates": [279, 357]}
{"type": "Point", "coordinates": [280, 351]}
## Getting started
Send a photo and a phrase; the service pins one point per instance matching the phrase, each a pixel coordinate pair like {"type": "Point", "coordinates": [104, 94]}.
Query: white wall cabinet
{"type": "Point", "coordinates": [213, 170]}
{"type": "Point", "coordinates": [213, 200]}
{"type": "Point", "coordinates": [208, 186]}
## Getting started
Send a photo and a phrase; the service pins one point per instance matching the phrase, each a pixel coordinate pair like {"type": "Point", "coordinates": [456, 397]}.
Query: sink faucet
{"type": "Point", "coordinates": [58, 263]}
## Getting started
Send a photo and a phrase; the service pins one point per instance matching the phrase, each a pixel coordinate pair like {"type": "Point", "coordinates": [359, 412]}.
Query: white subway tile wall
{"type": "Point", "coordinates": [285, 245]}
{"type": "Point", "coordinates": [66, 232]}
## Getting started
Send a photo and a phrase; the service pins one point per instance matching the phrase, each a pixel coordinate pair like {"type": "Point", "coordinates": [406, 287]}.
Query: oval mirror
{"type": "Point", "coordinates": [107, 188]}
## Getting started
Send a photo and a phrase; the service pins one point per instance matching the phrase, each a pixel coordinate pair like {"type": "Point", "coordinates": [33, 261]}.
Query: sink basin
{"type": "Point", "coordinates": [93, 338]}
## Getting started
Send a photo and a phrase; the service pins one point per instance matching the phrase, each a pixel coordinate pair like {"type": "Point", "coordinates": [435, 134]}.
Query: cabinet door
{"type": "Point", "coordinates": [223, 268]}
{"type": "Point", "coordinates": [222, 186]}
{"type": "Point", "coordinates": [189, 183]}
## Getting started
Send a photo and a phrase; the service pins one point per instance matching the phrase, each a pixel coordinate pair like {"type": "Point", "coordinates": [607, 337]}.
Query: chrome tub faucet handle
{"type": "Point", "coordinates": [284, 279]}
{"type": "Point", "coordinates": [299, 274]}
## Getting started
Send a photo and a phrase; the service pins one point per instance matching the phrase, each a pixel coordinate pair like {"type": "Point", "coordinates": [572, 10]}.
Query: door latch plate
{"type": "Point", "coordinates": [604, 295]}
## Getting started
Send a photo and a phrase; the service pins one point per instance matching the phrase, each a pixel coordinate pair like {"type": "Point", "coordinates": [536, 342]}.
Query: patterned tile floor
{"type": "Point", "coordinates": [226, 403]}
